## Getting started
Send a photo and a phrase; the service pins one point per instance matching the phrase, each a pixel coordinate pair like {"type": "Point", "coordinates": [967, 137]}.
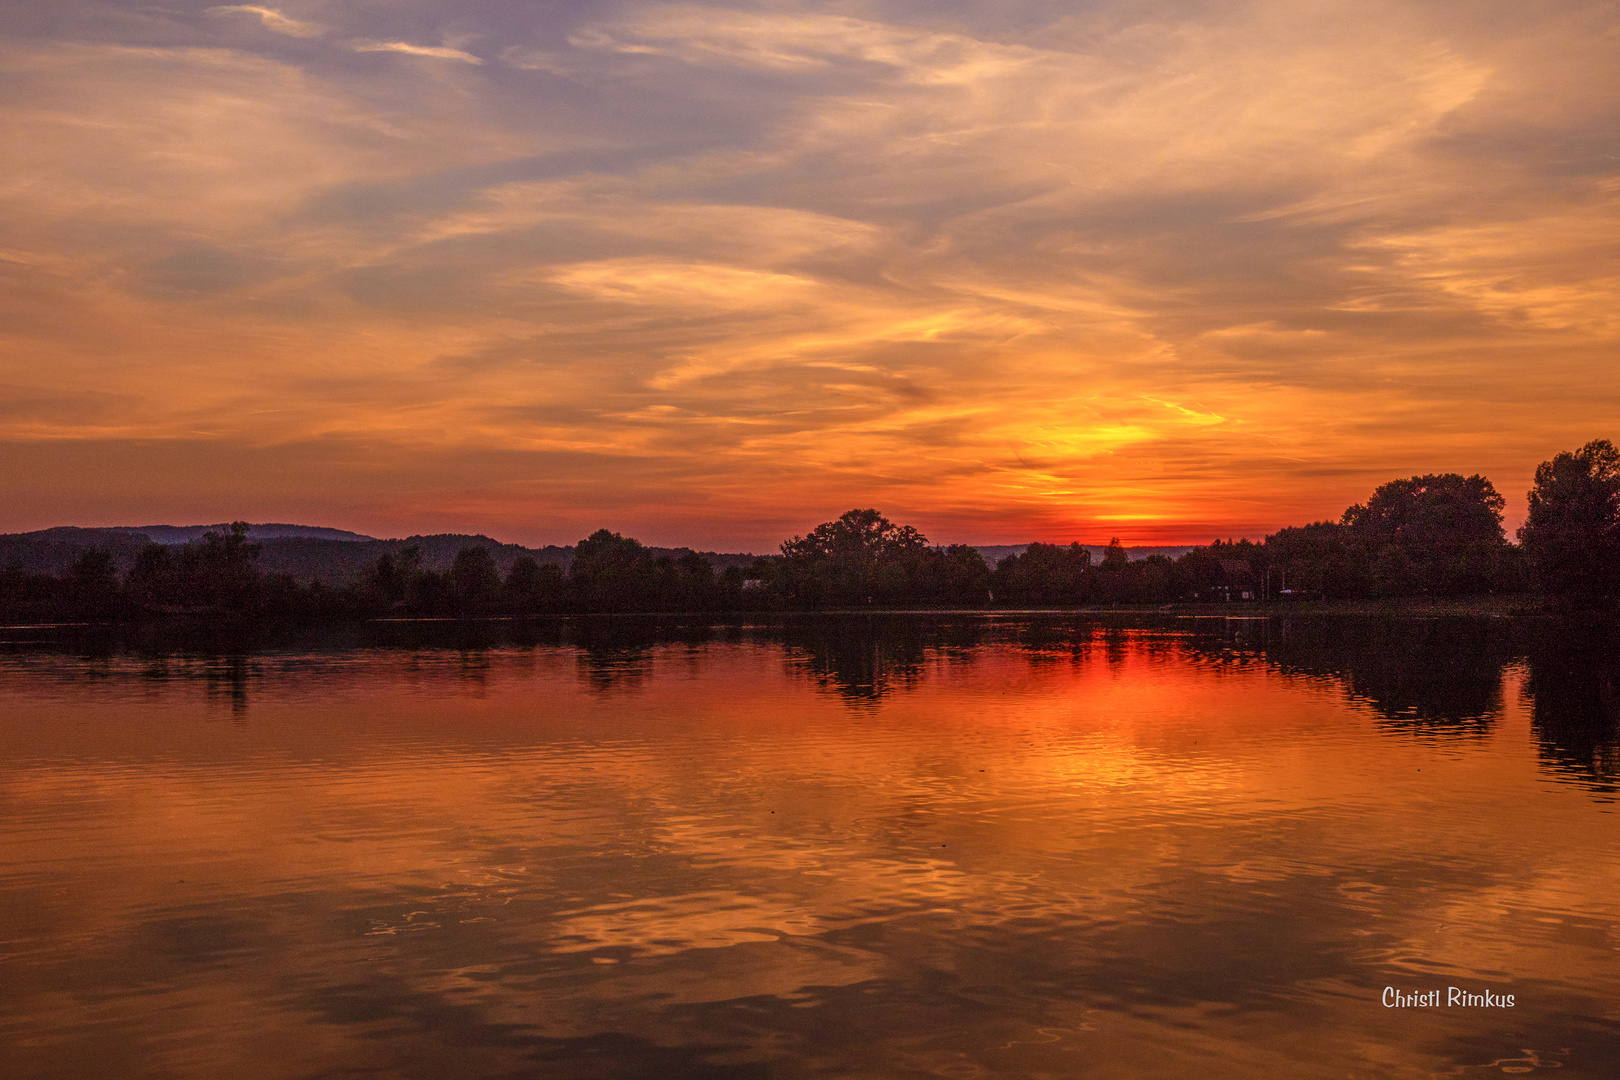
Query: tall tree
{"type": "Point", "coordinates": [475, 578]}
{"type": "Point", "coordinates": [861, 534]}
{"type": "Point", "coordinates": [1439, 533]}
{"type": "Point", "coordinates": [94, 585]}
{"type": "Point", "coordinates": [532, 588]}
{"type": "Point", "coordinates": [216, 573]}
{"type": "Point", "coordinates": [611, 572]}
{"type": "Point", "coordinates": [1572, 533]}
{"type": "Point", "coordinates": [861, 558]}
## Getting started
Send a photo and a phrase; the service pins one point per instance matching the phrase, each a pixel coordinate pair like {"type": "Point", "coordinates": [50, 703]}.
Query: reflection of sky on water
{"type": "Point", "coordinates": [1127, 849]}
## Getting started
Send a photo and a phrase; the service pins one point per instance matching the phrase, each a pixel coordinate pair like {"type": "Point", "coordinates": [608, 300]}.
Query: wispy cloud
{"type": "Point", "coordinates": [534, 60]}
{"type": "Point", "coordinates": [435, 51]}
{"type": "Point", "coordinates": [272, 19]}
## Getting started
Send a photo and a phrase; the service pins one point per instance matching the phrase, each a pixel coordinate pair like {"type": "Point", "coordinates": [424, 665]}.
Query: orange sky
{"type": "Point", "coordinates": [710, 275]}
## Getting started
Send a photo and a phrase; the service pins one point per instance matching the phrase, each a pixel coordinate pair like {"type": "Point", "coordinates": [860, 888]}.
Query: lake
{"type": "Point", "coordinates": [887, 846]}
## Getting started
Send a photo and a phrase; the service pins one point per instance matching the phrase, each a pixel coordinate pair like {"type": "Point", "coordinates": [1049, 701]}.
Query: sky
{"type": "Point", "coordinates": [709, 275]}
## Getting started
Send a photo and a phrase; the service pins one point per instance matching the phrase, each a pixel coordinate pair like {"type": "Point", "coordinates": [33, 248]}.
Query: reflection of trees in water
{"type": "Point", "coordinates": [225, 668]}
{"type": "Point", "coordinates": [1434, 678]}
{"type": "Point", "coordinates": [1116, 647]}
{"type": "Point", "coordinates": [861, 659]}
{"type": "Point", "coordinates": [534, 633]}
{"type": "Point", "coordinates": [1048, 641]}
{"type": "Point", "coordinates": [1217, 642]}
{"type": "Point", "coordinates": [1442, 678]}
{"type": "Point", "coordinates": [865, 658]}
{"type": "Point", "coordinates": [1574, 689]}
{"type": "Point", "coordinates": [616, 652]}
{"type": "Point", "coordinates": [1438, 678]}
{"type": "Point", "coordinates": [469, 636]}
{"type": "Point", "coordinates": [227, 680]}
{"type": "Point", "coordinates": [613, 653]}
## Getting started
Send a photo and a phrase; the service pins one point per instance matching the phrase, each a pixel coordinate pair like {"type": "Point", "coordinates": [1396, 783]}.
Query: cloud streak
{"type": "Point", "coordinates": [434, 51]}
{"type": "Point", "coordinates": [272, 19]}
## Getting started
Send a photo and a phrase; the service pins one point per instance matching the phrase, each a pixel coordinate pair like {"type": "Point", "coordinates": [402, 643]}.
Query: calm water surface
{"type": "Point", "coordinates": [1001, 847]}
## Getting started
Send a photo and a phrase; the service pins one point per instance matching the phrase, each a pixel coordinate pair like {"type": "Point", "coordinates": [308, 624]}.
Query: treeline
{"type": "Point", "coordinates": [219, 576]}
{"type": "Point", "coordinates": [1441, 535]}
{"type": "Point", "coordinates": [1434, 535]}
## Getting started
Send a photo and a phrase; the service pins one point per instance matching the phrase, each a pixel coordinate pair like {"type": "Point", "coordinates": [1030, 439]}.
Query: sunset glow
{"type": "Point", "coordinates": [711, 275]}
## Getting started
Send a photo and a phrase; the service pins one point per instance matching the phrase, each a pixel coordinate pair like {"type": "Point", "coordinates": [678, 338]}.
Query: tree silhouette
{"type": "Point", "coordinates": [862, 558]}
{"type": "Point", "coordinates": [219, 573]}
{"type": "Point", "coordinates": [1572, 533]}
{"type": "Point", "coordinates": [385, 583]}
{"type": "Point", "coordinates": [856, 534]}
{"type": "Point", "coordinates": [93, 585]}
{"type": "Point", "coordinates": [1045, 574]}
{"type": "Point", "coordinates": [150, 581]}
{"type": "Point", "coordinates": [532, 588]}
{"type": "Point", "coordinates": [611, 573]}
{"type": "Point", "coordinates": [1438, 533]}
{"type": "Point", "coordinates": [475, 579]}
{"type": "Point", "coordinates": [1321, 559]}
{"type": "Point", "coordinates": [964, 576]}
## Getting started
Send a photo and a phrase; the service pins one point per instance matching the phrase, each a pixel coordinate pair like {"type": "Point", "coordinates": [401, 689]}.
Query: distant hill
{"type": "Point", "coordinates": [308, 553]}
{"type": "Point", "coordinates": [338, 557]}
{"type": "Point", "coordinates": [186, 534]}
{"type": "Point", "coordinates": [51, 551]}
{"type": "Point", "coordinates": [338, 562]}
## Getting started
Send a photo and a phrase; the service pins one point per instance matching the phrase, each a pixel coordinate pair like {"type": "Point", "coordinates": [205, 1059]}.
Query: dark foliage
{"type": "Point", "coordinates": [861, 559]}
{"type": "Point", "coordinates": [1045, 575]}
{"type": "Point", "coordinates": [865, 560]}
{"type": "Point", "coordinates": [1572, 534]}
{"type": "Point", "coordinates": [1574, 688]}
{"type": "Point", "coordinates": [533, 589]}
{"type": "Point", "coordinates": [1436, 535]}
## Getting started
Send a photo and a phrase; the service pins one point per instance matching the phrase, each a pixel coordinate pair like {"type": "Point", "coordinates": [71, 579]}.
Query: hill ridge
{"type": "Point", "coordinates": [339, 556]}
